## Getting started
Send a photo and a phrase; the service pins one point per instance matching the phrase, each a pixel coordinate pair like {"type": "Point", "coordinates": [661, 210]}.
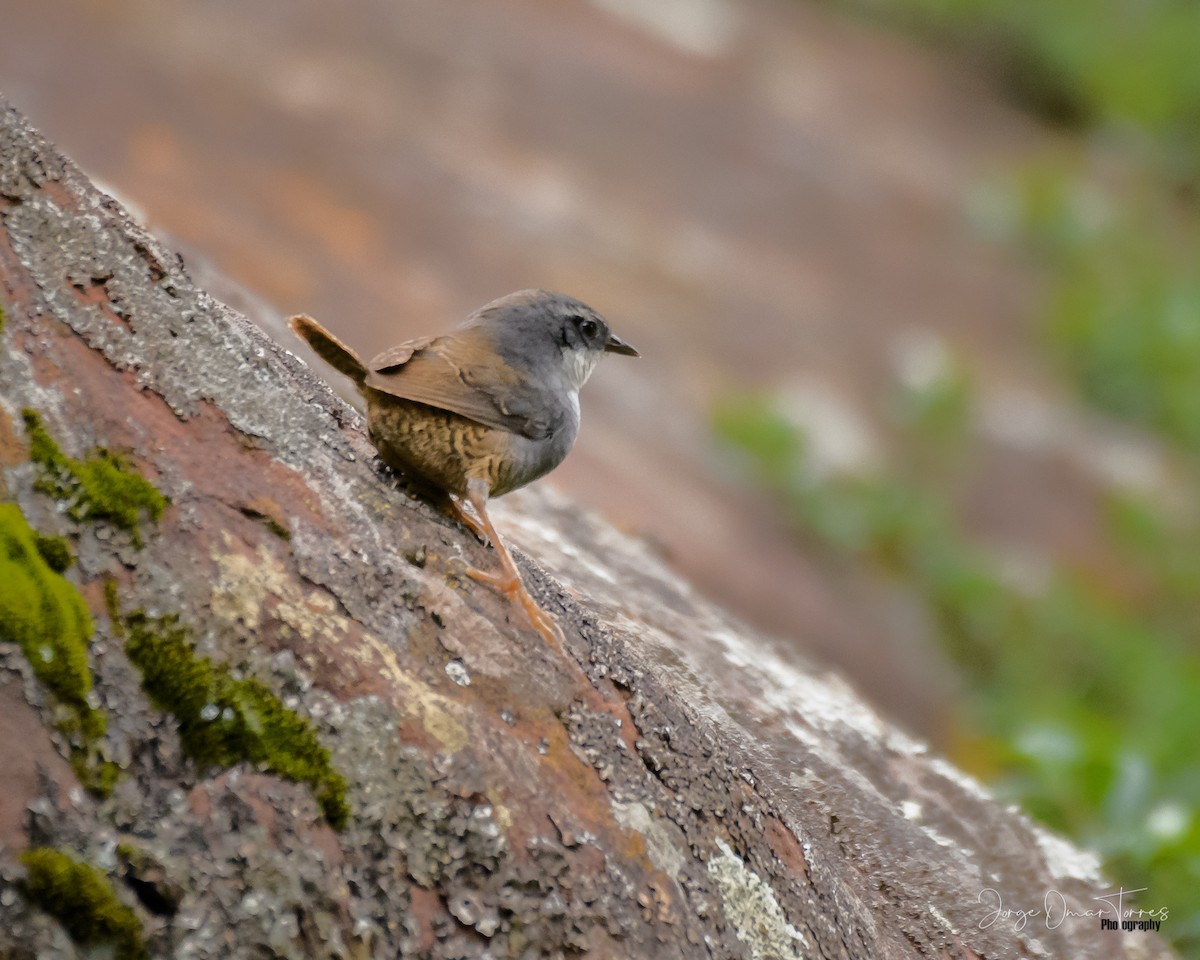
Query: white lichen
{"type": "Point", "coordinates": [752, 908]}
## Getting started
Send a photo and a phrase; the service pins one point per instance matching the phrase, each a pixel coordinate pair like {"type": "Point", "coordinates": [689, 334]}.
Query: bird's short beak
{"type": "Point", "coordinates": [615, 344]}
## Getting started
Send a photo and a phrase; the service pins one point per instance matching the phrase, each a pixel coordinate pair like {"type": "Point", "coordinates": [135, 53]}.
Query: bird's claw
{"type": "Point", "coordinates": [514, 589]}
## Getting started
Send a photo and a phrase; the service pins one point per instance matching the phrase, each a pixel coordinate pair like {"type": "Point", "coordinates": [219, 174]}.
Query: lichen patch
{"type": "Point", "coordinates": [664, 853]}
{"type": "Point", "coordinates": [438, 714]}
{"type": "Point", "coordinates": [752, 908]}
{"type": "Point", "coordinates": [246, 583]}
{"type": "Point", "coordinates": [247, 586]}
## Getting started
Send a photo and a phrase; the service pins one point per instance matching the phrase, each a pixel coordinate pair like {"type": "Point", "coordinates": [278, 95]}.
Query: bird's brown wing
{"type": "Point", "coordinates": [395, 357]}
{"type": "Point", "coordinates": [462, 374]}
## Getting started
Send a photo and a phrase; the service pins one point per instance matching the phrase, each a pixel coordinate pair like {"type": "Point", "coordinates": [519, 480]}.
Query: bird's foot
{"type": "Point", "coordinates": [514, 589]}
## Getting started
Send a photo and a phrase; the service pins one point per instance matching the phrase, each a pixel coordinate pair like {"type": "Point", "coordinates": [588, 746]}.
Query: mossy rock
{"type": "Point", "coordinates": [56, 551]}
{"type": "Point", "coordinates": [82, 899]}
{"type": "Point", "coordinates": [45, 616]}
{"type": "Point", "coordinates": [224, 720]}
{"type": "Point", "coordinates": [103, 487]}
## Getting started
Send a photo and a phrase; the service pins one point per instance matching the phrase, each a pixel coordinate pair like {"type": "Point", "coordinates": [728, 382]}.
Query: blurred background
{"type": "Point", "coordinates": [915, 285]}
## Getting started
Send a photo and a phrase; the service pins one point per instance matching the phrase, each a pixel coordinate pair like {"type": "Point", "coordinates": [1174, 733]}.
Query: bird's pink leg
{"type": "Point", "coordinates": [466, 518]}
{"type": "Point", "coordinates": [508, 581]}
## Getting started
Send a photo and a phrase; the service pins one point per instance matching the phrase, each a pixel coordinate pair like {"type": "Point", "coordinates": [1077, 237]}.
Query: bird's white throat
{"type": "Point", "coordinates": [578, 365]}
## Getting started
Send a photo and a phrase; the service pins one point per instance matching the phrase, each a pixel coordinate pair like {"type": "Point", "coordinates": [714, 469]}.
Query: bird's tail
{"type": "Point", "coordinates": [328, 347]}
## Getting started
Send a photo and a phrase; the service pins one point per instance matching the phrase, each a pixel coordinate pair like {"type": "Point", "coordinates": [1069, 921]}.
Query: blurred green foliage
{"type": "Point", "coordinates": [1123, 320]}
{"type": "Point", "coordinates": [1123, 248]}
{"type": "Point", "coordinates": [1102, 63]}
{"type": "Point", "coordinates": [1086, 687]}
{"type": "Point", "coordinates": [1084, 696]}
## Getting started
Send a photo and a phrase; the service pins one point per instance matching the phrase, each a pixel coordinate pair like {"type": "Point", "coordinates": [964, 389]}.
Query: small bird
{"type": "Point", "coordinates": [481, 411]}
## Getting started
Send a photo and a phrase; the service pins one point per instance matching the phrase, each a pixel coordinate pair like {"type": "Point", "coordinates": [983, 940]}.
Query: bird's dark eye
{"type": "Point", "coordinates": [588, 327]}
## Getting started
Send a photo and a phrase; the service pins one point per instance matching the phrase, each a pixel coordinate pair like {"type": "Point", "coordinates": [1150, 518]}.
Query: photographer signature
{"type": "Point", "coordinates": [1055, 909]}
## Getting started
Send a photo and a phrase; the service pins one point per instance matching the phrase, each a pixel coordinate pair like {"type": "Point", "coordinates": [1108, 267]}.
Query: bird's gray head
{"type": "Point", "coordinates": [539, 332]}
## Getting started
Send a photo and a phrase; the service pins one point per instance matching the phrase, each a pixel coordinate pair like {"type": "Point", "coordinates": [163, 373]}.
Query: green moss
{"type": "Point", "coordinates": [44, 614]}
{"type": "Point", "coordinates": [56, 551]}
{"type": "Point", "coordinates": [82, 899]}
{"type": "Point", "coordinates": [113, 606]}
{"type": "Point", "coordinates": [96, 774]}
{"type": "Point", "coordinates": [104, 486]}
{"type": "Point", "coordinates": [224, 720]}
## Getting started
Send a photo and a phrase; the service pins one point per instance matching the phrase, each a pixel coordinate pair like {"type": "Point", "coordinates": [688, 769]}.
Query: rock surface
{"type": "Point", "coordinates": [670, 785]}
